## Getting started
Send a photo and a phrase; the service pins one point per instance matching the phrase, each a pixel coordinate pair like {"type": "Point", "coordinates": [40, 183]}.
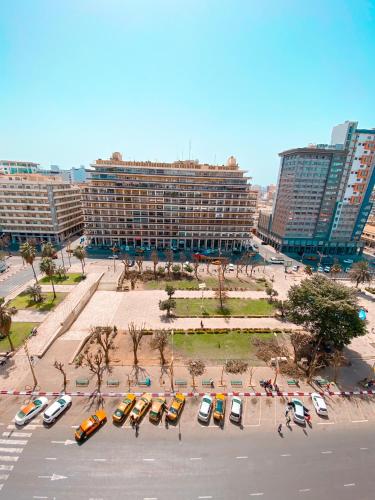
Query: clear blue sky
{"type": "Point", "coordinates": [82, 78]}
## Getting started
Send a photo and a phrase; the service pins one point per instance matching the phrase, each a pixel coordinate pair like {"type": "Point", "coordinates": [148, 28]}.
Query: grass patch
{"type": "Point", "coordinates": [211, 283]}
{"type": "Point", "coordinates": [19, 333]}
{"type": "Point", "coordinates": [71, 279]}
{"type": "Point", "coordinates": [232, 307]}
{"type": "Point", "coordinates": [23, 301]}
{"type": "Point", "coordinates": [233, 345]}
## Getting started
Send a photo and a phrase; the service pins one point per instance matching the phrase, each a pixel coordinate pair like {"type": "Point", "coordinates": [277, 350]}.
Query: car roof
{"type": "Point", "coordinates": [51, 409]}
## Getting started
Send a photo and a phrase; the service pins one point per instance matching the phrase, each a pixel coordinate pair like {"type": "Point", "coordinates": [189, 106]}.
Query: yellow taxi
{"type": "Point", "coordinates": [157, 408]}
{"type": "Point", "coordinates": [176, 406]}
{"type": "Point", "coordinates": [90, 425]}
{"type": "Point", "coordinates": [219, 407]}
{"type": "Point", "coordinates": [140, 407]}
{"type": "Point", "coordinates": [123, 409]}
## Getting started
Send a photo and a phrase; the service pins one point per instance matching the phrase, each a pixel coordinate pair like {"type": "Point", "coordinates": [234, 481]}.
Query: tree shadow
{"type": "Point", "coordinates": [138, 371]}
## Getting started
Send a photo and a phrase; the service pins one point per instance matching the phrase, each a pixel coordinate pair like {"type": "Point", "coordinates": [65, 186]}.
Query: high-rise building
{"type": "Point", "coordinates": [180, 205]}
{"type": "Point", "coordinates": [33, 206]}
{"type": "Point", "coordinates": [323, 195]}
{"type": "Point", "coordinates": [18, 167]}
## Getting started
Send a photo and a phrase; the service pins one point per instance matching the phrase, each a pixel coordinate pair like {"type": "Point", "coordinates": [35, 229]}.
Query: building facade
{"type": "Point", "coordinates": [180, 205]}
{"type": "Point", "coordinates": [18, 167]}
{"type": "Point", "coordinates": [323, 195]}
{"type": "Point", "coordinates": [42, 208]}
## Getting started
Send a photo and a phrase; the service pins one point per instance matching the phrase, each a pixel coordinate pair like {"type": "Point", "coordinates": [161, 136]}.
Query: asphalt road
{"type": "Point", "coordinates": [190, 462]}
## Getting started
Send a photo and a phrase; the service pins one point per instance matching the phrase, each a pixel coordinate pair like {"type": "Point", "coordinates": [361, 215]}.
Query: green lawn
{"type": "Point", "coordinates": [232, 307]}
{"type": "Point", "coordinates": [233, 345]}
{"type": "Point", "coordinates": [18, 332]}
{"type": "Point", "coordinates": [71, 279]}
{"type": "Point", "coordinates": [23, 301]}
{"type": "Point", "coordinates": [211, 283]}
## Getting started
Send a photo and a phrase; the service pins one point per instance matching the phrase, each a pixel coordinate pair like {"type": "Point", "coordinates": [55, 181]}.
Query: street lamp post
{"type": "Point", "coordinates": [30, 364]}
{"type": "Point", "coordinates": [202, 287]}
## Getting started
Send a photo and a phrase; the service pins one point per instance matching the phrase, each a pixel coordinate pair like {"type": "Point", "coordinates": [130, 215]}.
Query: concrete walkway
{"type": "Point", "coordinates": [25, 315]}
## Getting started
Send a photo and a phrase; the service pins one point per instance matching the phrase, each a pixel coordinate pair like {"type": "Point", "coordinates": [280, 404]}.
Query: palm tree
{"type": "Point", "coordinates": [80, 253]}
{"type": "Point", "coordinates": [48, 250]}
{"type": "Point", "coordinates": [28, 255]}
{"type": "Point", "coordinates": [47, 266]}
{"type": "Point", "coordinates": [6, 314]}
{"type": "Point", "coordinates": [35, 292]}
{"type": "Point", "coordinates": [360, 273]}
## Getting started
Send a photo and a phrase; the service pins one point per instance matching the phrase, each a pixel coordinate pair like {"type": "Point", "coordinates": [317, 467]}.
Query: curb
{"type": "Point", "coordinates": [187, 394]}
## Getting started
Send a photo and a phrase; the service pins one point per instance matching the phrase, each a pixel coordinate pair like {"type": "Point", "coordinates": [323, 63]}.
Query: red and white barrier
{"type": "Point", "coordinates": [187, 394]}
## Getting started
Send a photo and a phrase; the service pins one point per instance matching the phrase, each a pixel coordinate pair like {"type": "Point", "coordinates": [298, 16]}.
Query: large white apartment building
{"type": "Point", "coordinates": [36, 207]}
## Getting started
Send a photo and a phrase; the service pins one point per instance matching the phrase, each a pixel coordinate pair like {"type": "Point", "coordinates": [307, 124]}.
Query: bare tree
{"type": "Point", "coordinates": [159, 342]}
{"type": "Point", "coordinates": [251, 373]}
{"type": "Point", "coordinates": [196, 369]}
{"type": "Point", "coordinates": [136, 333]}
{"type": "Point", "coordinates": [300, 342]}
{"type": "Point", "coordinates": [103, 336]}
{"type": "Point", "coordinates": [60, 366]}
{"type": "Point", "coordinates": [126, 261]}
{"type": "Point", "coordinates": [220, 292]}
{"type": "Point", "coordinates": [224, 265]}
{"type": "Point", "coordinates": [182, 258]}
{"type": "Point", "coordinates": [336, 360]}
{"type": "Point", "coordinates": [95, 362]}
{"type": "Point", "coordinates": [195, 266]}
{"type": "Point", "coordinates": [139, 261]}
{"type": "Point", "coordinates": [155, 261]}
{"type": "Point", "coordinates": [169, 261]}
{"type": "Point", "coordinates": [234, 366]}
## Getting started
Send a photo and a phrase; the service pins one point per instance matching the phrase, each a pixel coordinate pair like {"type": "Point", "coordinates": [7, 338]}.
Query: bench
{"type": "Point", "coordinates": [146, 382]}
{"type": "Point", "coordinates": [236, 383]}
{"type": "Point", "coordinates": [113, 383]}
{"type": "Point", "coordinates": [293, 382]}
{"type": "Point", "coordinates": [82, 382]}
{"type": "Point", "coordinates": [180, 383]}
{"type": "Point", "coordinates": [321, 382]}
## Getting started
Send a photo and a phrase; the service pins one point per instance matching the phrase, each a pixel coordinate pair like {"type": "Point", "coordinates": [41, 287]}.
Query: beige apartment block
{"type": "Point", "coordinates": [183, 205]}
{"type": "Point", "coordinates": [33, 206]}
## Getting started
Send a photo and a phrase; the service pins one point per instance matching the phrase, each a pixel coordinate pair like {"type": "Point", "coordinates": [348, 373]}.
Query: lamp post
{"type": "Point", "coordinates": [202, 287]}
{"type": "Point", "coordinates": [61, 250]}
{"type": "Point", "coordinates": [30, 364]}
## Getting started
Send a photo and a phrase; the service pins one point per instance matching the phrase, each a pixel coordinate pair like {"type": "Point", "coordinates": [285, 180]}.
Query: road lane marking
{"type": "Point", "coordinates": [22, 442]}
{"type": "Point", "coordinates": [149, 459]}
{"type": "Point", "coordinates": [349, 484]}
{"type": "Point", "coordinates": [39, 497]}
{"type": "Point", "coordinates": [32, 427]}
{"type": "Point", "coordinates": [363, 449]}
{"type": "Point", "coordinates": [11, 450]}
{"type": "Point", "coordinates": [326, 423]}
{"type": "Point", "coordinates": [100, 459]}
{"type": "Point", "coordinates": [304, 490]}
{"type": "Point", "coordinates": [359, 421]}
{"type": "Point", "coordinates": [17, 434]}
{"type": "Point", "coordinates": [50, 458]}
{"type": "Point", "coordinates": [150, 498]}
{"type": "Point", "coordinates": [196, 458]}
{"type": "Point", "coordinates": [206, 496]}
{"type": "Point", "coordinates": [326, 452]}
{"type": "Point", "coordinates": [285, 455]}
{"type": "Point", "coordinates": [256, 494]}
{"type": "Point", "coordinates": [6, 467]}
{"type": "Point", "coordinates": [8, 458]}
{"type": "Point", "coordinates": [4, 477]}
{"type": "Point", "coordinates": [239, 458]}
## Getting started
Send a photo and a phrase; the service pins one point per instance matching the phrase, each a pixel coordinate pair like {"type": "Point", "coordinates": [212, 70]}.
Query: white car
{"type": "Point", "coordinates": [113, 257]}
{"type": "Point", "coordinates": [295, 268]}
{"type": "Point", "coordinates": [236, 409]}
{"type": "Point", "coordinates": [205, 408]}
{"type": "Point", "coordinates": [230, 267]}
{"type": "Point", "coordinates": [56, 408]}
{"type": "Point", "coordinates": [319, 404]}
{"type": "Point", "coordinates": [298, 412]}
{"type": "Point", "coordinates": [29, 411]}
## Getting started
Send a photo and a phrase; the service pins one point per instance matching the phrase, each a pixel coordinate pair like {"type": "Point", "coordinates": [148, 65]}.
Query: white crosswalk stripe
{"type": "Point", "coordinates": [31, 427]}
{"type": "Point", "coordinates": [11, 450]}
{"type": "Point", "coordinates": [21, 442]}
{"type": "Point", "coordinates": [8, 458]}
{"type": "Point", "coordinates": [6, 467]}
{"type": "Point", "coordinates": [4, 477]}
{"type": "Point", "coordinates": [17, 434]}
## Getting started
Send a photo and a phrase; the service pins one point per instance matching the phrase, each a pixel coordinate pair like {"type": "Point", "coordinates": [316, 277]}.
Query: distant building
{"type": "Point", "coordinates": [323, 195]}
{"type": "Point", "coordinates": [78, 174]}
{"type": "Point", "coordinates": [18, 167]}
{"type": "Point", "coordinates": [33, 206]}
{"type": "Point", "coordinates": [180, 205]}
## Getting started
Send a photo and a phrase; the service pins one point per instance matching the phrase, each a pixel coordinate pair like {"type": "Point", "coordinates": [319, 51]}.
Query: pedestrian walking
{"type": "Point", "coordinates": [279, 428]}
{"type": "Point", "coordinates": [288, 420]}
{"type": "Point", "coordinates": [286, 412]}
{"type": "Point", "coordinates": [201, 324]}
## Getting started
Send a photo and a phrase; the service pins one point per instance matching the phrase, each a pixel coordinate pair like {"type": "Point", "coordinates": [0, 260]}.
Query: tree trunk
{"type": "Point", "coordinates": [53, 287]}
{"type": "Point", "coordinates": [155, 271]}
{"type": "Point", "coordinates": [135, 355]}
{"type": "Point", "coordinates": [36, 279]}
{"type": "Point", "coordinates": [65, 381]}
{"type": "Point", "coordinates": [10, 341]}
{"type": "Point", "coordinates": [193, 381]}
{"type": "Point", "coordinates": [162, 358]}
{"type": "Point", "coordinates": [106, 356]}
{"type": "Point", "coordinates": [83, 267]}
{"type": "Point", "coordinates": [99, 380]}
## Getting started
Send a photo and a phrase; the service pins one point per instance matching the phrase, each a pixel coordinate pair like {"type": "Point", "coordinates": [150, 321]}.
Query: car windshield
{"type": "Point", "coordinates": [61, 402]}
{"type": "Point", "coordinates": [173, 410]}
{"type": "Point", "coordinates": [21, 414]}
{"type": "Point", "coordinates": [127, 401]}
{"type": "Point", "coordinates": [37, 402]}
{"type": "Point", "coordinates": [118, 412]}
{"type": "Point", "coordinates": [219, 405]}
{"type": "Point", "coordinates": [136, 411]}
{"type": "Point", "coordinates": [206, 400]}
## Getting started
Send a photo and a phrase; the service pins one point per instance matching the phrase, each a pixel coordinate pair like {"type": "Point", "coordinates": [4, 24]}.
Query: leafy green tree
{"type": "Point", "coordinates": [170, 290]}
{"type": "Point", "coordinates": [47, 266]}
{"type": "Point", "coordinates": [335, 269]}
{"type": "Point", "coordinates": [48, 250]}
{"type": "Point", "coordinates": [28, 254]}
{"type": "Point", "coordinates": [6, 314]}
{"type": "Point", "coordinates": [328, 311]}
{"type": "Point", "coordinates": [167, 305]}
{"type": "Point", "coordinates": [35, 292]}
{"type": "Point", "coordinates": [360, 273]}
{"type": "Point", "coordinates": [80, 253]}
{"type": "Point", "coordinates": [308, 270]}
{"type": "Point", "coordinates": [272, 293]}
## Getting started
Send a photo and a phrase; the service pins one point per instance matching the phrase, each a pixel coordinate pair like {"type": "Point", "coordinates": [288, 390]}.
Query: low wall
{"type": "Point", "coordinates": [67, 312]}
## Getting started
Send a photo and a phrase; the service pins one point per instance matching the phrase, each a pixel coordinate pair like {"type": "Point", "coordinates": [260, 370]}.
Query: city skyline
{"type": "Point", "coordinates": [204, 80]}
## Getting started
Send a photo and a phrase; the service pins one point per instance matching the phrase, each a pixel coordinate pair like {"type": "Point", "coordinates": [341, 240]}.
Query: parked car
{"type": "Point", "coordinates": [348, 261]}
{"type": "Point", "coordinates": [319, 404]}
{"type": "Point", "coordinates": [236, 409]}
{"type": "Point", "coordinates": [298, 412]}
{"type": "Point", "coordinates": [327, 269]}
{"type": "Point", "coordinates": [219, 408]}
{"type": "Point", "coordinates": [295, 268]}
{"type": "Point", "coordinates": [140, 407]}
{"type": "Point", "coordinates": [113, 257]}
{"type": "Point", "coordinates": [90, 425]}
{"type": "Point", "coordinates": [320, 269]}
{"type": "Point", "coordinates": [231, 267]}
{"type": "Point", "coordinates": [176, 406]}
{"type": "Point", "coordinates": [124, 408]}
{"type": "Point", "coordinates": [56, 408]}
{"type": "Point", "coordinates": [205, 408]}
{"type": "Point", "coordinates": [29, 411]}
{"type": "Point", "coordinates": [157, 408]}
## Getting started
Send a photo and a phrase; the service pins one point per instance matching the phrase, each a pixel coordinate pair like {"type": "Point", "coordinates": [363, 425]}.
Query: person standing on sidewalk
{"type": "Point", "coordinates": [280, 428]}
